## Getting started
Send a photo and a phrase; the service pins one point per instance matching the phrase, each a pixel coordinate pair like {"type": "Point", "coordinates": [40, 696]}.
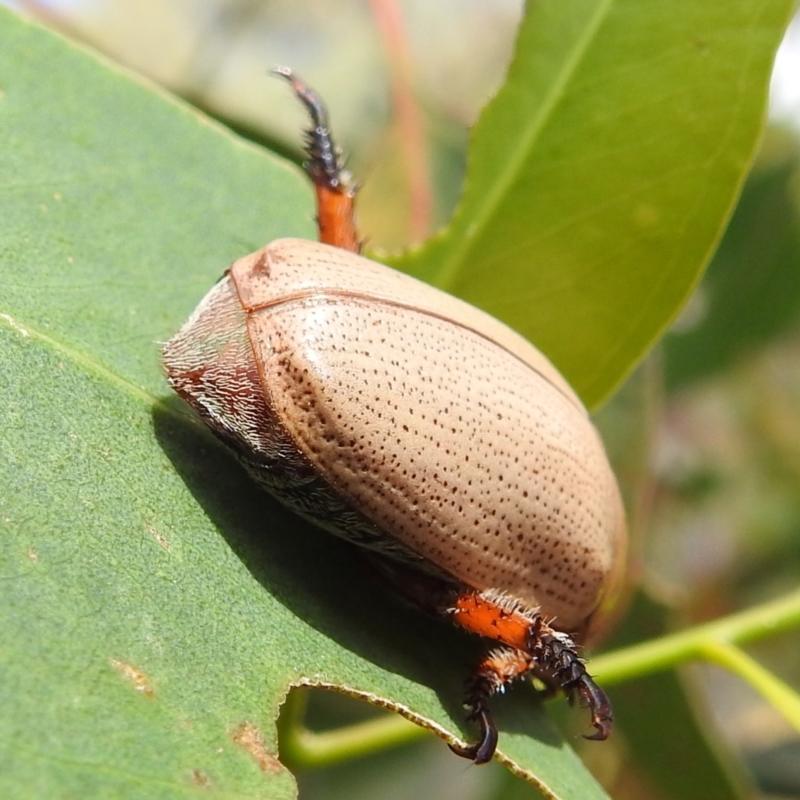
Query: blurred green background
{"type": "Point", "coordinates": [705, 435]}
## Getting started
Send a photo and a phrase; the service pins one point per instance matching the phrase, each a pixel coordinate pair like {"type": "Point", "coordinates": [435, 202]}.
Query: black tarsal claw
{"type": "Point", "coordinates": [600, 706]}
{"type": "Point", "coordinates": [482, 751]}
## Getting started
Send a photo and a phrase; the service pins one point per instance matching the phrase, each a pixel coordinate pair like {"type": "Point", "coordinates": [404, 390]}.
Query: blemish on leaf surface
{"type": "Point", "coordinates": [249, 737]}
{"type": "Point", "coordinates": [135, 676]}
{"type": "Point", "coordinates": [199, 778]}
{"type": "Point", "coordinates": [159, 537]}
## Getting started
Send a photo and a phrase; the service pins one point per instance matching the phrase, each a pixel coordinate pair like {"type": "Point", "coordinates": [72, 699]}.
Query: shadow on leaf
{"type": "Point", "coordinates": [323, 581]}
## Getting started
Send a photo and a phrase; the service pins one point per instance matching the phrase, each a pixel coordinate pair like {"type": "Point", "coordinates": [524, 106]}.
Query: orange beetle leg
{"type": "Point", "coordinates": [531, 646]}
{"type": "Point", "coordinates": [487, 617]}
{"type": "Point", "coordinates": [335, 193]}
{"type": "Point", "coordinates": [336, 218]}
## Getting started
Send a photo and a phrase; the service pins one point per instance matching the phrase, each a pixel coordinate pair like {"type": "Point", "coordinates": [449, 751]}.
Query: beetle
{"type": "Point", "coordinates": [422, 429]}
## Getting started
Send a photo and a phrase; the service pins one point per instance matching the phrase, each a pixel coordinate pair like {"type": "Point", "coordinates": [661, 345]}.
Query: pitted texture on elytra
{"type": "Point", "coordinates": [289, 269]}
{"type": "Point", "coordinates": [211, 364]}
{"type": "Point", "coordinates": [407, 421]}
{"type": "Point", "coordinates": [449, 443]}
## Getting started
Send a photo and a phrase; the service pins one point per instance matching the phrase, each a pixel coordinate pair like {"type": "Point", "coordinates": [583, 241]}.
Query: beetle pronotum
{"type": "Point", "coordinates": [416, 426]}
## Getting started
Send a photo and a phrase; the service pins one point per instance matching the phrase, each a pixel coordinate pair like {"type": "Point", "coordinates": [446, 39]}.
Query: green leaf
{"type": "Point", "coordinates": [602, 173]}
{"type": "Point", "coordinates": [751, 292]}
{"type": "Point", "coordinates": [155, 605]}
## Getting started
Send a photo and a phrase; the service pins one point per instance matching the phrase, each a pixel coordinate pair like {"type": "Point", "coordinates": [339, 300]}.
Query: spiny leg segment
{"type": "Point", "coordinates": [499, 669]}
{"type": "Point", "coordinates": [532, 646]}
{"type": "Point", "coordinates": [529, 646]}
{"type": "Point", "coordinates": [333, 185]}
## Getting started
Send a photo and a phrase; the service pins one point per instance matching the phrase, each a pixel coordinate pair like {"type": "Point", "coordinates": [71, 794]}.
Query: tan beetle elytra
{"type": "Point", "coordinates": [417, 426]}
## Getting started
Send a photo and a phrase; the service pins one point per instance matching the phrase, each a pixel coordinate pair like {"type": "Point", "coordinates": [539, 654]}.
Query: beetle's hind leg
{"type": "Point", "coordinates": [333, 184]}
{"type": "Point", "coordinates": [498, 670]}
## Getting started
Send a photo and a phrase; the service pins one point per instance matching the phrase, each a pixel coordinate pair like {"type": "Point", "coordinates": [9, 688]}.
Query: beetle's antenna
{"type": "Point", "coordinates": [333, 184]}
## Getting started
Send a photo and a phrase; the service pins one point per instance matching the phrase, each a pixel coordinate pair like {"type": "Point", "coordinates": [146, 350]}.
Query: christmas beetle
{"type": "Point", "coordinates": [415, 425]}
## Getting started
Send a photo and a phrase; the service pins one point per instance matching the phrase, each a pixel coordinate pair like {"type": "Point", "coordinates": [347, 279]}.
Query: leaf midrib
{"type": "Point", "coordinates": [78, 357]}
{"type": "Point", "coordinates": [505, 178]}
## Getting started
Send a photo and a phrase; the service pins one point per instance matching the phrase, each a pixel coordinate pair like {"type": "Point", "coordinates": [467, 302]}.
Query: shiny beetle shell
{"type": "Point", "coordinates": [409, 421]}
